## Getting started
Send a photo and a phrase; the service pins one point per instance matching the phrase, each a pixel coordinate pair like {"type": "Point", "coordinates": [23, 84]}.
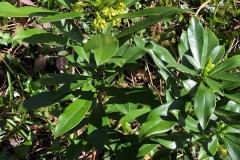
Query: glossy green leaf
{"type": "Point", "coordinates": [122, 49]}
{"type": "Point", "coordinates": [165, 56]}
{"type": "Point", "coordinates": [209, 148]}
{"type": "Point", "coordinates": [231, 77]}
{"type": "Point", "coordinates": [188, 122]}
{"type": "Point", "coordinates": [127, 99]}
{"type": "Point", "coordinates": [189, 61]}
{"type": "Point", "coordinates": [137, 151]}
{"type": "Point", "coordinates": [204, 104]}
{"type": "Point", "coordinates": [234, 97]}
{"type": "Point", "coordinates": [132, 115]}
{"type": "Point", "coordinates": [228, 64]}
{"type": "Point", "coordinates": [214, 85]}
{"type": "Point", "coordinates": [155, 126]}
{"type": "Point", "coordinates": [98, 127]}
{"type": "Point", "coordinates": [8, 10]}
{"type": "Point", "coordinates": [70, 87]}
{"type": "Point", "coordinates": [41, 100]}
{"type": "Point", "coordinates": [161, 52]}
{"type": "Point", "coordinates": [232, 106]}
{"type": "Point", "coordinates": [67, 3]}
{"type": "Point", "coordinates": [196, 40]}
{"type": "Point", "coordinates": [72, 116]}
{"type": "Point", "coordinates": [156, 11]}
{"type": "Point", "coordinates": [61, 78]}
{"type": "Point", "coordinates": [183, 45]}
{"type": "Point", "coordinates": [129, 3]}
{"type": "Point", "coordinates": [210, 41]}
{"type": "Point", "coordinates": [103, 46]}
{"type": "Point", "coordinates": [139, 42]}
{"type": "Point", "coordinates": [119, 100]}
{"type": "Point", "coordinates": [229, 117]}
{"type": "Point", "coordinates": [133, 54]}
{"type": "Point", "coordinates": [70, 29]}
{"type": "Point", "coordinates": [160, 65]}
{"type": "Point", "coordinates": [34, 36]}
{"type": "Point", "coordinates": [81, 53]}
{"type": "Point", "coordinates": [189, 84]}
{"type": "Point", "coordinates": [229, 85]}
{"type": "Point", "coordinates": [167, 108]}
{"type": "Point", "coordinates": [118, 60]}
{"type": "Point", "coordinates": [146, 23]}
{"type": "Point", "coordinates": [217, 54]}
{"type": "Point", "coordinates": [231, 141]}
{"type": "Point", "coordinates": [174, 140]}
{"type": "Point", "coordinates": [60, 16]}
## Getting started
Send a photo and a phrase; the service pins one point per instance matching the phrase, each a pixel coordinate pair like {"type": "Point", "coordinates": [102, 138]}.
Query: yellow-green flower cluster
{"type": "Point", "coordinates": [99, 22]}
{"type": "Point", "coordinates": [79, 6]}
{"type": "Point", "coordinates": [110, 12]}
{"type": "Point", "coordinates": [103, 15]}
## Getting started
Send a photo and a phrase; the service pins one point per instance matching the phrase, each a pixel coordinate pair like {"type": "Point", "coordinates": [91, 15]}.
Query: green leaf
{"type": "Point", "coordinates": [132, 115]}
{"type": "Point", "coordinates": [61, 78]}
{"type": "Point", "coordinates": [231, 141]}
{"type": "Point", "coordinates": [70, 29]}
{"type": "Point", "coordinates": [119, 100]}
{"type": "Point", "coordinates": [166, 73]}
{"type": "Point", "coordinates": [210, 42]}
{"type": "Point", "coordinates": [189, 84]}
{"type": "Point", "coordinates": [137, 151]}
{"type": "Point", "coordinates": [70, 87]}
{"type": "Point", "coordinates": [230, 63]}
{"type": "Point", "coordinates": [81, 53]}
{"type": "Point", "coordinates": [127, 99]}
{"type": "Point", "coordinates": [98, 128]}
{"type": "Point", "coordinates": [232, 106]}
{"type": "Point", "coordinates": [161, 52]}
{"type": "Point", "coordinates": [217, 54]}
{"type": "Point", "coordinates": [229, 117]}
{"type": "Point", "coordinates": [118, 60]}
{"type": "Point", "coordinates": [145, 23]}
{"type": "Point", "coordinates": [188, 122]}
{"type": "Point", "coordinates": [209, 148]}
{"type": "Point", "coordinates": [60, 16]}
{"type": "Point", "coordinates": [229, 85]}
{"type": "Point", "coordinates": [234, 97]}
{"type": "Point", "coordinates": [174, 140]}
{"type": "Point", "coordinates": [72, 116]}
{"type": "Point", "coordinates": [34, 36]}
{"type": "Point", "coordinates": [155, 126]}
{"type": "Point", "coordinates": [103, 46]}
{"type": "Point", "coordinates": [183, 45]}
{"type": "Point", "coordinates": [231, 77]}
{"type": "Point", "coordinates": [156, 11]}
{"type": "Point", "coordinates": [214, 85]}
{"type": "Point", "coordinates": [156, 14]}
{"type": "Point", "coordinates": [8, 10]}
{"type": "Point", "coordinates": [41, 100]}
{"type": "Point", "coordinates": [204, 104]}
{"type": "Point", "coordinates": [67, 3]}
{"type": "Point", "coordinates": [129, 3]}
{"type": "Point", "coordinates": [196, 40]}
{"type": "Point", "coordinates": [133, 54]}
{"type": "Point", "coordinates": [165, 56]}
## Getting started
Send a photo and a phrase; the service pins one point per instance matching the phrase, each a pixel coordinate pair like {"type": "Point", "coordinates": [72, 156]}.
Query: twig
{"type": "Point", "coordinates": [202, 6]}
{"type": "Point", "coordinates": [149, 74]}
